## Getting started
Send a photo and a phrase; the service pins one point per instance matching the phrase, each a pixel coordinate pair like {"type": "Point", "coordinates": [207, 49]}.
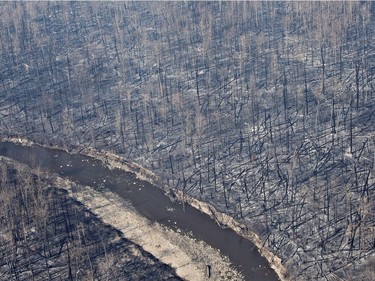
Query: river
{"type": "Point", "coordinates": [148, 200]}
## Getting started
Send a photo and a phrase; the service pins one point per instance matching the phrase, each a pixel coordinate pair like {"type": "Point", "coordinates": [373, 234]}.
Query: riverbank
{"type": "Point", "coordinates": [186, 255]}
{"type": "Point", "coordinates": [114, 161]}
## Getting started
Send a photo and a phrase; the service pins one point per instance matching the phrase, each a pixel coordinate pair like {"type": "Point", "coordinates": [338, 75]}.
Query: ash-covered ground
{"type": "Point", "coordinates": [265, 110]}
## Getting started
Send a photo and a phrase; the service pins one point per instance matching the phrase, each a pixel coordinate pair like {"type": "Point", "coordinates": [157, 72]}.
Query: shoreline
{"type": "Point", "coordinates": [112, 161]}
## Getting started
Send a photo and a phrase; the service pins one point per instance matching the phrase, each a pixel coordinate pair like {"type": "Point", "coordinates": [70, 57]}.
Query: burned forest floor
{"type": "Point", "coordinates": [264, 110]}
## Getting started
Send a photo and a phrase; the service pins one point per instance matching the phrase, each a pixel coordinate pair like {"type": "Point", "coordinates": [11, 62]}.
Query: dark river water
{"type": "Point", "coordinates": [149, 201]}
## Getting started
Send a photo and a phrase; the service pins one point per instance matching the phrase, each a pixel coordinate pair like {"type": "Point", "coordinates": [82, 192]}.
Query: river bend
{"type": "Point", "coordinates": [148, 200]}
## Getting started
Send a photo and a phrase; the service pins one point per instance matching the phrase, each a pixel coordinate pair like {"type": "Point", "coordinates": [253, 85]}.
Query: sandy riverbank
{"type": "Point", "coordinates": [188, 256]}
